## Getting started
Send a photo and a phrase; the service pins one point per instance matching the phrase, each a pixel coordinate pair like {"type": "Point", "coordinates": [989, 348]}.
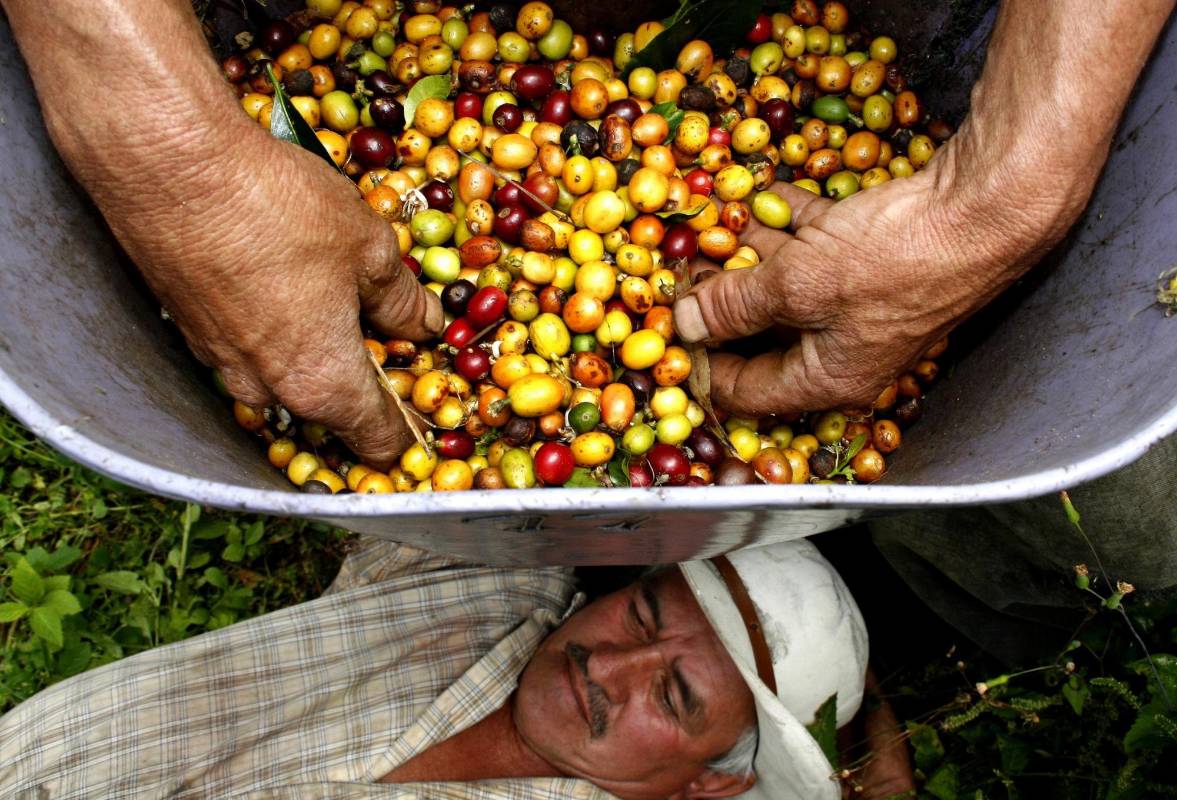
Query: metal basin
{"type": "Point", "coordinates": [1071, 374]}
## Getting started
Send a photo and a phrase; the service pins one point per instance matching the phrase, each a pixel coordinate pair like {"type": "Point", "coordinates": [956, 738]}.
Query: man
{"type": "Point", "coordinates": [443, 680]}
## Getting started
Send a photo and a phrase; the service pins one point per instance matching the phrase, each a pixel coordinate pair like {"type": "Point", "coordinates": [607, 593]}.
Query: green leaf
{"type": "Point", "coordinates": [214, 576]}
{"type": "Point", "coordinates": [27, 585]}
{"type": "Point", "coordinates": [253, 534]}
{"type": "Point", "coordinates": [75, 657]}
{"type": "Point", "coordinates": [722, 23]}
{"type": "Point", "coordinates": [98, 508]}
{"type": "Point", "coordinates": [20, 478]}
{"type": "Point", "coordinates": [233, 552]}
{"type": "Point", "coordinates": [123, 581]}
{"type": "Point", "coordinates": [11, 612]}
{"type": "Point", "coordinates": [1165, 666]}
{"type": "Point", "coordinates": [289, 126]}
{"type": "Point", "coordinates": [942, 783]}
{"type": "Point", "coordinates": [46, 624]}
{"type": "Point", "coordinates": [38, 558]}
{"type": "Point", "coordinates": [1015, 754]}
{"type": "Point", "coordinates": [210, 529]}
{"type": "Point", "coordinates": [62, 557]}
{"type": "Point", "coordinates": [63, 603]}
{"type": "Point", "coordinates": [673, 116]}
{"type": "Point", "coordinates": [929, 750]}
{"type": "Point", "coordinates": [1075, 691]}
{"type": "Point", "coordinates": [681, 215]}
{"type": "Point", "coordinates": [582, 479]}
{"type": "Point", "coordinates": [824, 729]}
{"type": "Point", "coordinates": [437, 86]}
{"type": "Point", "coordinates": [619, 468]}
{"type": "Point", "coordinates": [856, 446]}
{"type": "Point", "coordinates": [57, 582]}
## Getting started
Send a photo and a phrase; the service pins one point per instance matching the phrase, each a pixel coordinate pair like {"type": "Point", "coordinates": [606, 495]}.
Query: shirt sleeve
{"type": "Point", "coordinates": [372, 560]}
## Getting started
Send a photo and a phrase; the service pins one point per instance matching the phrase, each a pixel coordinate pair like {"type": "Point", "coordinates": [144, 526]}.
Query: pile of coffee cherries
{"type": "Point", "coordinates": [552, 199]}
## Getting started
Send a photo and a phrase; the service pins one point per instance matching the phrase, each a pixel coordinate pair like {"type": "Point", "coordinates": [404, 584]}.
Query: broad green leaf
{"type": "Point", "coordinates": [942, 783]}
{"type": "Point", "coordinates": [254, 533]}
{"type": "Point", "coordinates": [437, 86]}
{"type": "Point", "coordinates": [210, 529]}
{"type": "Point", "coordinates": [214, 576]}
{"type": "Point", "coordinates": [11, 612]}
{"type": "Point", "coordinates": [63, 556]}
{"type": "Point", "coordinates": [46, 623]}
{"type": "Point", "coordinates": [722, 23]}
{"type": "Point", "coordinates": [288, 125]}
{"type": "Point", "coordinates": [27, 585]}
{"type": "Point", "coordinates": [123, 581]}
{"type": "Point", "coordinates": [1015, 754]}
{"type": "Point", "coordinates": [1165, 666]}
{"type": "Point", "coordinates": [619, 468]}
{"type": "Point", "coordinates": [824, 729]}
{"type": "Point", "coordinates": [38, 558]}
{"type": "Point", "coordinates": [673, 116]}
{"type": "Point", "coordinates": [57, 582]}
{"type": "Point", "coordinates": [20, 478]}
{"type": "Point", "coordinates": [98, 508]}
{"type": "Point", "coordinates": [1075, 691]}
{"type": "Point", "coordinates": [233, 552]}
{"type": "Point", "coordinates": [856, 446]}
{"type": "Point", "coordinates": [929, 750]}
{"type": "Point", "coordinates": [582, 479]}
{"type": "Point", "coordinates": [74, 657]}
{"type": "Point", "coordinates": [63, 603]}
{"type": "Point", "coordinates": [198, 560]}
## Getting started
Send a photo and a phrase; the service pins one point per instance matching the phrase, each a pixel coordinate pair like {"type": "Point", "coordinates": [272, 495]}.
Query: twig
{"type": "Point", "coordinates": [411, 416]}
{"type": "Point", "coordinates": [1073, 517]}
{"type": "Point", "coordinates": [531, 195]}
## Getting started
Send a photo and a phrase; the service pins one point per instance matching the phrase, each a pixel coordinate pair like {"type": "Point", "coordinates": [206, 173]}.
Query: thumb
{"type": "Point", "coordinates": [730, 305]}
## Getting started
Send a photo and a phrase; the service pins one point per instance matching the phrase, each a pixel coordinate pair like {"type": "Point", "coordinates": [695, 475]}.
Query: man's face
{"type": "Point", "coordinates": [636, 694]}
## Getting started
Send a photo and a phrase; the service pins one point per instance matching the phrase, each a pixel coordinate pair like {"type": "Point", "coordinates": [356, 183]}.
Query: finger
{"type": "Point", "coordinates": [337, 387]}
{"type": "Point", "coordinates": [806, 205]}
{"type": "Point", "coordinates": [740, 302]}
{"type": "Point", "coordinates": [243, 385]}
{"type": "Point", "coordinates": [396, 303]}
{"type": "Point", "coordinates": [781, 382]}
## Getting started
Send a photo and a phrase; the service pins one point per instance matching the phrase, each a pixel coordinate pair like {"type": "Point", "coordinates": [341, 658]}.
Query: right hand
{"type": "Point", "coordinates": [267, 273]}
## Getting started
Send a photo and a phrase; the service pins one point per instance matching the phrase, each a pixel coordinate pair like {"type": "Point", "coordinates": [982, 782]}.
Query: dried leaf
{"type": "Point", "coordinates": [699, 381]}
{"type": "Point", "coordinates": [682, 215]}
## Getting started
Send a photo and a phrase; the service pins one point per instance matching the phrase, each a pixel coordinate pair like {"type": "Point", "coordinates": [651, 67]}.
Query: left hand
{"type": "Point", "coordinates": [870, 283]}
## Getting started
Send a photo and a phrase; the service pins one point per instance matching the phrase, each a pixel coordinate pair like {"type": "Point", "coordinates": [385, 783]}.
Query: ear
{"type": "Point", "coordinates": [716, 784]}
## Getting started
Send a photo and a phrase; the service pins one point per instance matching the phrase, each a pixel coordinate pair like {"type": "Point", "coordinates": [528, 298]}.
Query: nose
{"type": "Point", "coordinates": [619, 670]}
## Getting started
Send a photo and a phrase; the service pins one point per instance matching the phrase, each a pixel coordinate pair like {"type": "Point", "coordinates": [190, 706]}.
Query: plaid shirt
{"type": "Point", "coordinates": [315, 701]}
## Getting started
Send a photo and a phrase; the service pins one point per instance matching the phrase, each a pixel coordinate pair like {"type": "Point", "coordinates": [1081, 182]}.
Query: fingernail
{"type": "Point", "coordinates": [434, 314]}
{"type": "Point", "coordinates": [688, 321]}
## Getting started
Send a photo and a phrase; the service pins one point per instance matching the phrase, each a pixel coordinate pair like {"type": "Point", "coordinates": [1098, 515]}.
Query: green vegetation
{"type": "Point", "coordinates": [91, 571]}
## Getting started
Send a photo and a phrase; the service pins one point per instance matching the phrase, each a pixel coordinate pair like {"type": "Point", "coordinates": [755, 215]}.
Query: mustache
{"type": "Point", "coordinates": [598, 702]}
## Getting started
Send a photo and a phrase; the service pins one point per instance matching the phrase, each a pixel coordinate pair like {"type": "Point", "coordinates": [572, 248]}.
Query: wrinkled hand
{"type": "Point", "coordinates": [869, 283]}
{"type": "Point", "coordinates": [266, 272]}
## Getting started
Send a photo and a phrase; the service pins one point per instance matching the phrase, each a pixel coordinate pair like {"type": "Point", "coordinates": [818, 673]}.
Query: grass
{"type": "Point", "coordinates": [93, 571]}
